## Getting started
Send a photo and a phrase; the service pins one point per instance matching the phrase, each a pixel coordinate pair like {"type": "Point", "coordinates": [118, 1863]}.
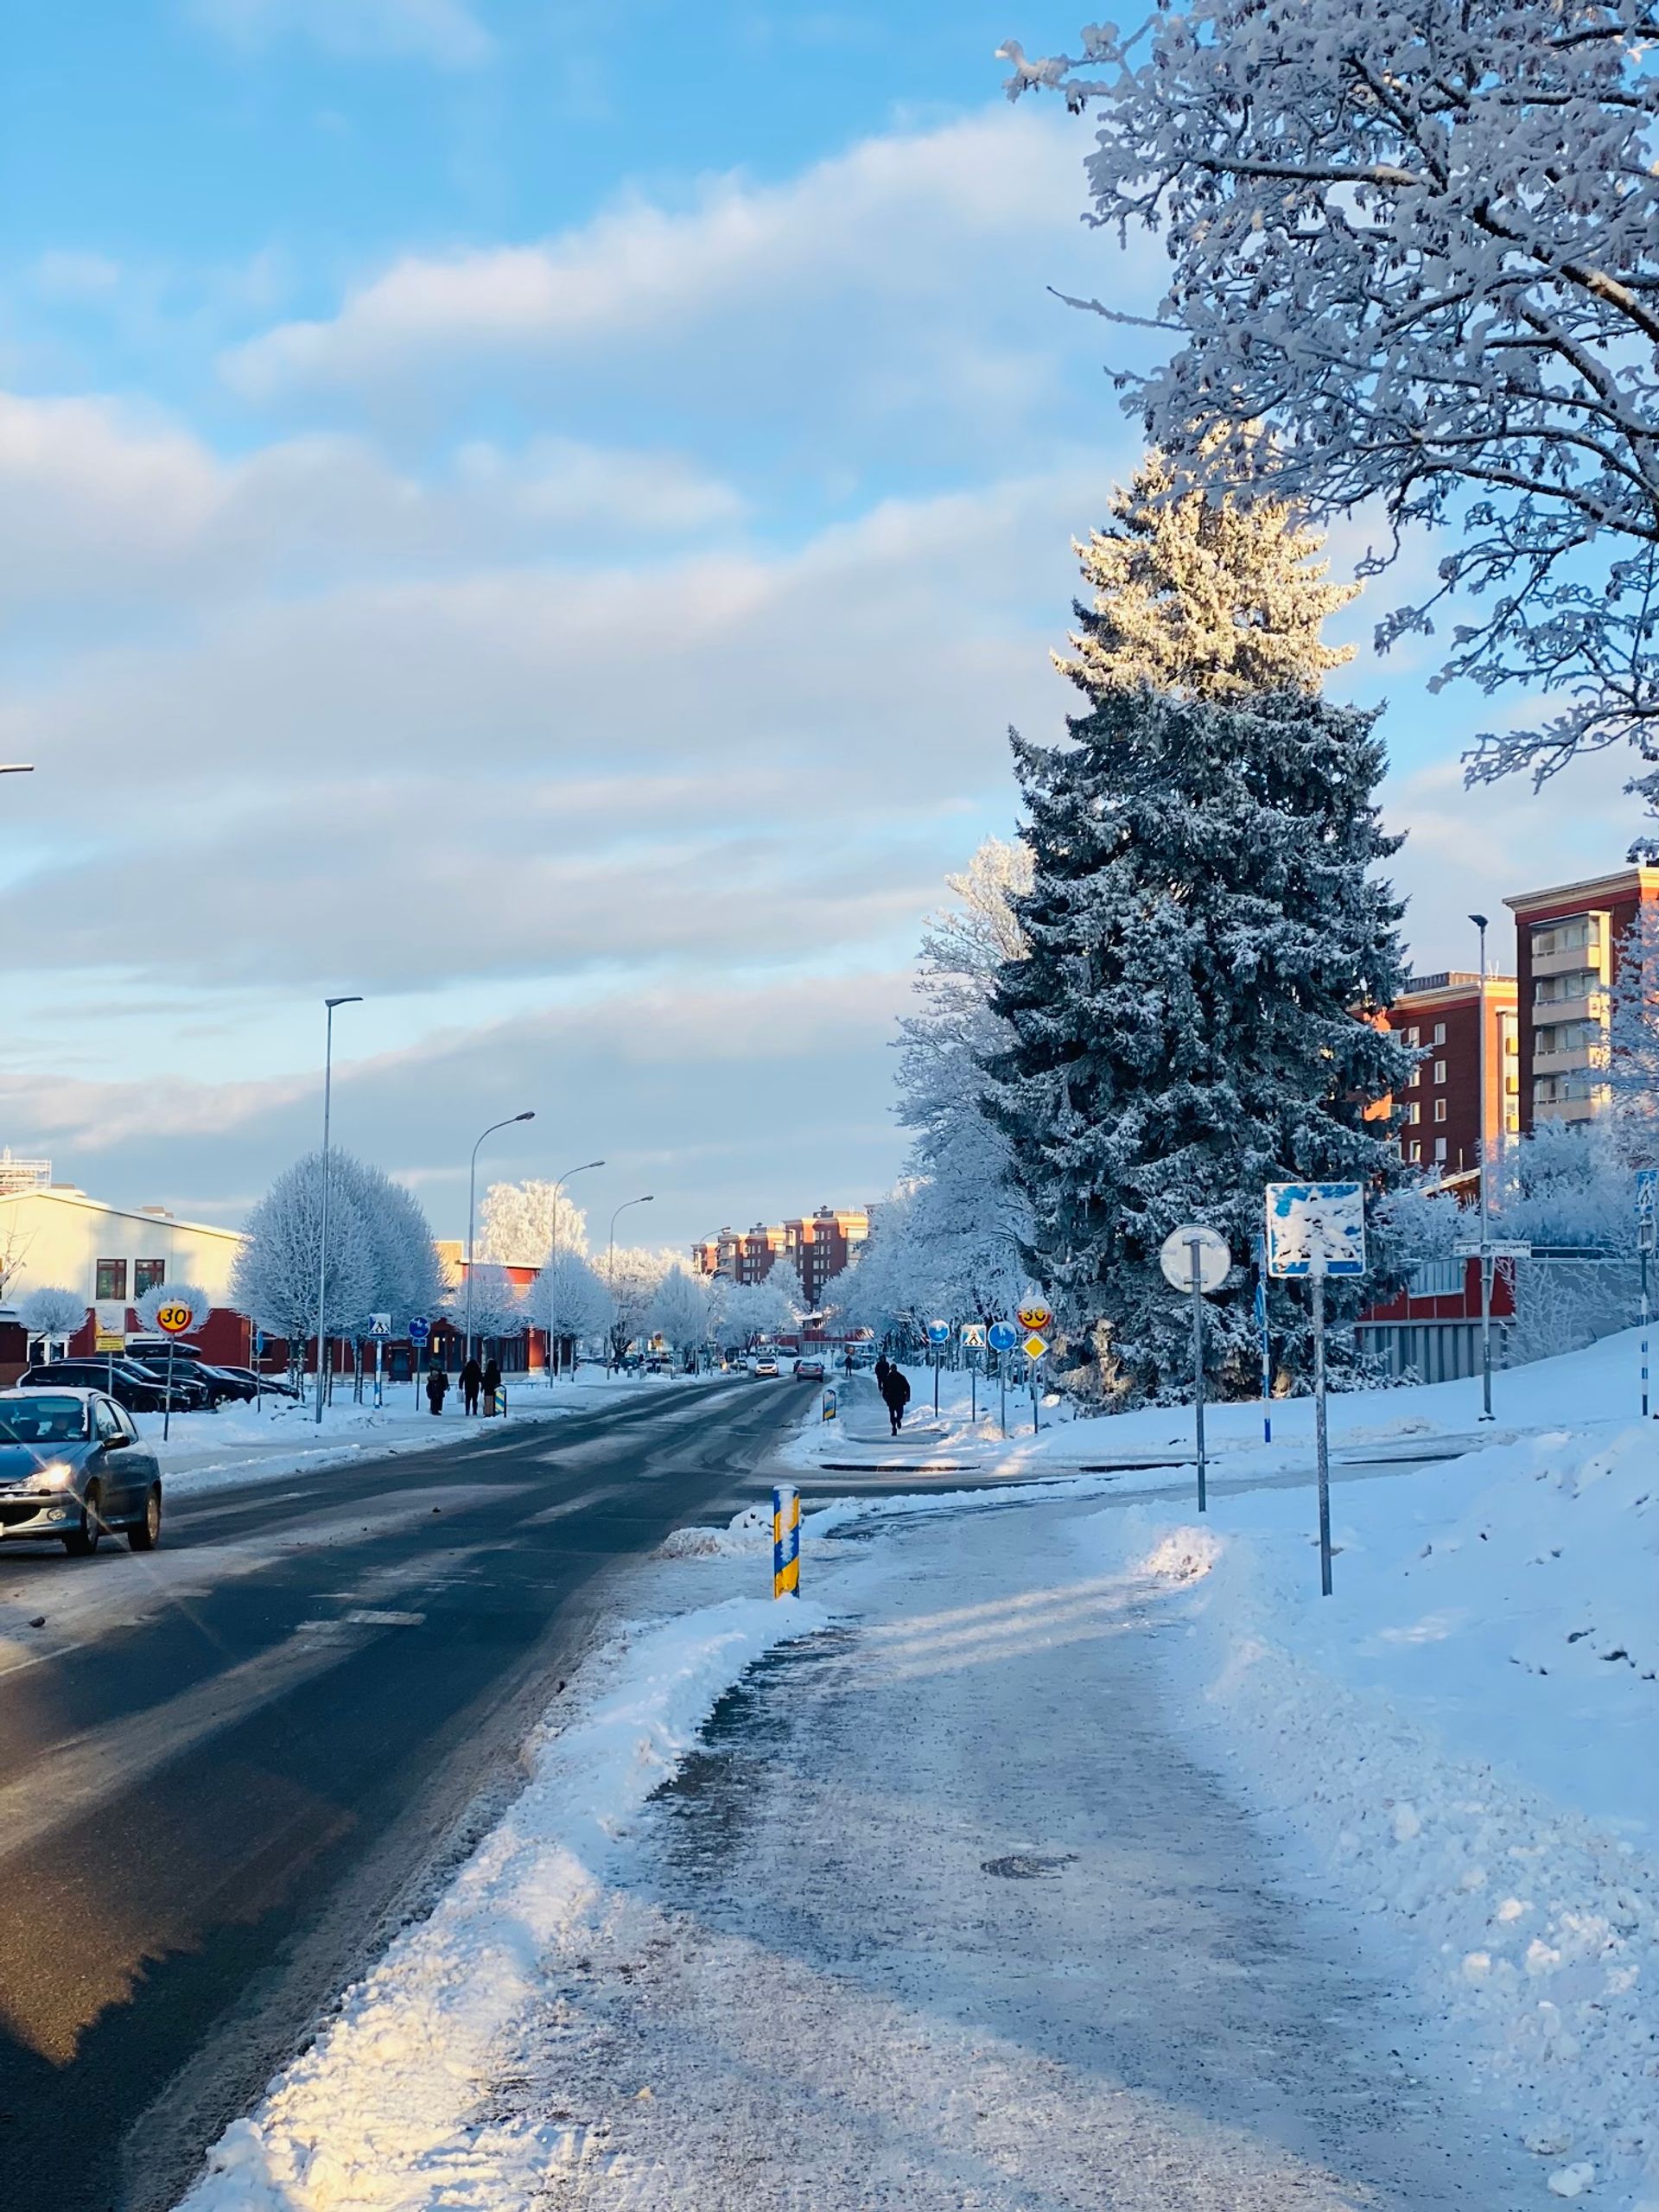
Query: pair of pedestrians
{"type": "Point", "coordinates": [474, 1379]}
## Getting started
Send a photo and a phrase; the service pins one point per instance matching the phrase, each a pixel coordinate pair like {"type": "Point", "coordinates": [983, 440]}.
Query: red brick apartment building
{"type": "Point", "coordinates": [1447, 1122]}
{"type": "Point", "coordinates": [820, 1245]}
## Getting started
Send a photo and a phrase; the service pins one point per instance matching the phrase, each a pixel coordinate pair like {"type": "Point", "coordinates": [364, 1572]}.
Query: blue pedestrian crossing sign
{"type": "Point", "coordinates": [419, 1329]}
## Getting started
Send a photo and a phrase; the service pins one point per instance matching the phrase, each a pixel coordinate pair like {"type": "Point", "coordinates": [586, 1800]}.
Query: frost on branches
{"type": "Point", "coordinates": [1203, 935]}
{"type": "Point", "coordinates": [1419, 241]}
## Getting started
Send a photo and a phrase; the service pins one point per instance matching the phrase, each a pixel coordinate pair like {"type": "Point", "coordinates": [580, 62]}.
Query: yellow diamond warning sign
{"type": "Point", "coordinates": [1035, 1346]}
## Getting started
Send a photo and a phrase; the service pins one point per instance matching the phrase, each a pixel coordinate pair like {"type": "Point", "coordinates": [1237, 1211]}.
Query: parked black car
{"type": "Point", "coordinates": [72, 1467]}
{"type": "Point", "coordinates": [129, 1384]}
{"type": "Point", "coordinates": [215, 1386]}
{"type": "Point", "coordinates": [274, 1386]}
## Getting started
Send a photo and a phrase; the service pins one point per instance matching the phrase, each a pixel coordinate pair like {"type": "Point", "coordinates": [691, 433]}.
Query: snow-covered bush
{"type": "Point", "coordinates": [1569, 1186]}
{"type": "Point", "coordinates": [679, 1310]}
{"type": "Point", "coordinates": [51, 1313]}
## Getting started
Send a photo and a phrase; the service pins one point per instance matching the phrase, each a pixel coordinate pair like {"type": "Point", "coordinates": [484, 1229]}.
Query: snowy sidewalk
{"type": "Point", "coordinates": [942, 1916]}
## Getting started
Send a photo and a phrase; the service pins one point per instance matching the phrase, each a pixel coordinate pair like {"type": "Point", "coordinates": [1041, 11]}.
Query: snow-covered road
{"type": "Point", "coordinates": [943, 1916]}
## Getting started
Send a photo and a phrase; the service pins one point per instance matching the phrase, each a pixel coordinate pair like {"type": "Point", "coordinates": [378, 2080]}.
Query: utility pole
{"type": "Point", "coordinates": [1479, 921]}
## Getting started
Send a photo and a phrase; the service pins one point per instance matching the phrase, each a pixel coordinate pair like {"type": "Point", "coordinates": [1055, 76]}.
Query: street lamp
{"type": "Point", "coordinates": [472, 1207]}
{"type": "Point", "coordinates": [553, 1233]}
{"type": "Point", "coordinates": [1479, 921]}
{"type": "Point", "coordinates": [351, 998]}
{"type": "Point", "coordinates": [610, 1247]}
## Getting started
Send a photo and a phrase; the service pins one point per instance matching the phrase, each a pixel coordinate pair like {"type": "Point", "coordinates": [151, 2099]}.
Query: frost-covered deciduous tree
{"type": "Point", "coordinates": [1418, 241]}
{"type": "Point", "coordinates": [749, 1310]}
{"type": "Point", "coordinates": [273, 1280]}
{"type": "Point", "coordinates": [174, 1293]}
{"type": "Point", "coordinates": [494, 1306]}
{"type": "Point", "coordinates": [51, 1313]}
{"type": "Point", "coordinates": [1569, 1188]}
{"type": "Point", "coordinates": [964, 1216]}
{"type": "Point", "coordinates": [888, 1286]}
{"type": "Point", "coordinates": [632, 1274]}
{"type": "Point", "coordinates": [679, 1310]}
{"type": "Point", "coordinates": [516, 1224]}
{"type": "Point", "coordinates": [570, 1302]}
{"type": "Point", "coordinates": [1204, 938]}
{"type": "Point", "coordinates": [1633, 1041]}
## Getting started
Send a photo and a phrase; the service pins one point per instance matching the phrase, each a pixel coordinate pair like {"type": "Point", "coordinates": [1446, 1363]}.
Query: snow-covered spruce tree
{"type": "Point", "coordinates": [965, 1217]}
{"type": "Point", "coordinates": [1204, 944]}
{"type": "Point", "coordinates": [1633, 1041]}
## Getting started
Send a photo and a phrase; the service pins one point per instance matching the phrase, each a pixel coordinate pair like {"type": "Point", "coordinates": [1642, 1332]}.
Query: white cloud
{"type": "Point", "coordinates": [445, 32]}
{"type": "Point", "coordinates": [64, 274]}
{"type": "Point", "coordinates": [903, 276]}
{"type": "Point", "coordinates": [98, 501]}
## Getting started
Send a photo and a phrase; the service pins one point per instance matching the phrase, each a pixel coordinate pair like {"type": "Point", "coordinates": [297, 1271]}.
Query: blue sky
{"type": "Point", "coordinates": [547, 525]}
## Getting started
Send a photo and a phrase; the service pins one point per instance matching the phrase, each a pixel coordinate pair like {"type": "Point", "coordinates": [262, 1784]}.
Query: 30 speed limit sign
{"type": "Point", "coordinates": [175, 1319]}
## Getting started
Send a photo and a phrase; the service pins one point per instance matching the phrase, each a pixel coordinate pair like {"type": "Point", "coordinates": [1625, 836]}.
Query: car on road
{"type": "Point", "coordinates": [809, 1370]}
{"type": "Point", "coordinates": [73, 1467]}
{"type": "Point", "coordinates": [763, 1364]}
{"type": "Point", "coordinates": [131, 1386]}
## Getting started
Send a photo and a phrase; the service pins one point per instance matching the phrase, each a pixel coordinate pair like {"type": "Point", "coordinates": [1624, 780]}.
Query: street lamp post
{"type": "Point", "coordinates": [351, 998]}
{"type": "Point", "coordinates": [610, 1249]}
{"type": "Point", "coordinates": [472, 1207]}
{"type": "Point", "coordinates": [1479, 921]}
{"type": "Point", "coordinates": [553, 1235]}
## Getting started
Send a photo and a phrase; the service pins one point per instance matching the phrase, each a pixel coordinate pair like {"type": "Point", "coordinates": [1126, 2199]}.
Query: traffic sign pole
{"type": "Point", "coordinates": [1266, 1342]}
{"type": "Point", "coordinates": [1195, 1250]}
{"type": "Point", "coordinates": [1322, 1446]}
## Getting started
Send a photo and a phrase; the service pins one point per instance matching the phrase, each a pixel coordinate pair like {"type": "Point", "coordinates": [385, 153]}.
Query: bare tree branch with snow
{"type": "Point", "coordinates": [1418, 242]}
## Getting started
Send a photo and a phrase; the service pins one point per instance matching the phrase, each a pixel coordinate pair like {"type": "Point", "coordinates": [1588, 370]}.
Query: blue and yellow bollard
{"type": "Point", "coordinates": [785, 1540]}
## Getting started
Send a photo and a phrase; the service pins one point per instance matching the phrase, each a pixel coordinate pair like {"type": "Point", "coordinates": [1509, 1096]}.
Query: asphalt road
{"type": "Point", "coordinates": [228, 1772]}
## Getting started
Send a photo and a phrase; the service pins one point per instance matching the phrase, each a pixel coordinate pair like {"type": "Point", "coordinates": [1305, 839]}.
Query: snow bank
{"type": "Point", "coordinates": [390, 2110]}
{"type": "Point", "coordinates": [1460, 1745]}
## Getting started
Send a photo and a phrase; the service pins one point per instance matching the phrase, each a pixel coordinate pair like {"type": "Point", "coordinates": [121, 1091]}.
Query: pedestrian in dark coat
{"type": "Point", "coordinates": [492, 1386]}
{"type": "Point", "coordinates": [437, 1384]}
{"type": "Point", "coordinates": [472, 1376]}
{"type": "Point", "coordinates": [883, 1369]}
{"type": "Point", "coordinates": [896, 1391]}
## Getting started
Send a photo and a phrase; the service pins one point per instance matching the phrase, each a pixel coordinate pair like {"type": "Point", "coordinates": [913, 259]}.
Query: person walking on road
{"type": "Point", "coordinates": [883, 1369]}
{"type": "Point", "coordinates": [437, 1386]}
{"type": "Point", "coordinates": [492, 1386]}
{"type": "Point", "coordinates": [472, 1376]}
{"type": "Point", "coordinates": [895, 1390]}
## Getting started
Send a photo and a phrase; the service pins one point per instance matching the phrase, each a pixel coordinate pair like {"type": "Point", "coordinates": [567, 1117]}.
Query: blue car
{"type": "Point", "coordinates": [73, 1468]}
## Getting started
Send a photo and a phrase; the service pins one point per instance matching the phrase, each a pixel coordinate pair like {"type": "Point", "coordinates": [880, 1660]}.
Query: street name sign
{"type": "Point", "coordinates": [1494, 1250]}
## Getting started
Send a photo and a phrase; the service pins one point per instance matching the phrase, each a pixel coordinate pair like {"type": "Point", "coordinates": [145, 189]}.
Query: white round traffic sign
{"type": "Point", "coordinates": [1215, 1257]}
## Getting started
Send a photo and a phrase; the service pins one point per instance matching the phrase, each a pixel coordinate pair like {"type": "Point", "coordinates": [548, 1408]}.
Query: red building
{"type": "Point", "coordinates": [1448, 1124]}
{"type": "Point", "coordinates": [820, 1244]}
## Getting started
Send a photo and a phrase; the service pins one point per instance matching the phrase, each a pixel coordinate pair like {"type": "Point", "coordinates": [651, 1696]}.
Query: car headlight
{"type": "Point", "coordinates": [58, 1476]}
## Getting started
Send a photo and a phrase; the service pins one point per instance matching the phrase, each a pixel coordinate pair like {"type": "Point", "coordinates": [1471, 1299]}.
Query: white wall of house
{"type": "Point", "coordinates": [58, 1236]}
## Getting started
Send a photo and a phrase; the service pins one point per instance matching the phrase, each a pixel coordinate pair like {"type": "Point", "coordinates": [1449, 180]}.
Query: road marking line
{"type": "Point", "coordinates": [571, 1505]}
{"type": "Point", "coordinates": [367, 1619]}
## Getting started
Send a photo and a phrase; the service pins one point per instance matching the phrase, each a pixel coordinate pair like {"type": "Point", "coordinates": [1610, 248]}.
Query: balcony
{"type": "Point", "coordinates": [1565, 958]}
{"type": "Point", "coordinates": [1569, 1109]}
{"type": "Point", "coordinates": [1547, 1014]}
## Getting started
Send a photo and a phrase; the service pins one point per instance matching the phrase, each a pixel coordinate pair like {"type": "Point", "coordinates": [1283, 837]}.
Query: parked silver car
{"type": "Point", "coordinates": [73, 1466]}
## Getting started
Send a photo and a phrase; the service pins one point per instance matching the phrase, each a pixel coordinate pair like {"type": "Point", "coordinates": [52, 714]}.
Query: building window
{"type": "Point", "coordinates": [1511, 1043]}
{"type": "Point", "coordinates": [111, 1281]}
{"type": "Point", "coordinates": [1413, 1037]}
{"type": "Point", "coordinates": [1411, 1080]}
{"type": "Point", "coordinates": [1440, 1150]}
{"type": "Point", "coordinates": [1512, 1124]}
{"type": "Point", "coordinates": [1439, 1109]}
{"type": "Point", "coordinates": [147, 1274]}
{"type": "Point", "coordinates": [1512, 1085]}
{"type": "Point", "coordinates": [1413, 1113]}
{"type": "Point", "coordinates": [1440, 1033]}
{"type": "Point", "coordinates": [1439, 1071]}
{"type": "Point", "coordinates": [1416, 1149]}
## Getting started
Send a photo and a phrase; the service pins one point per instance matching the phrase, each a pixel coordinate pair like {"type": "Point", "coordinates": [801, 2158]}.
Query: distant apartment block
{"type": "Point", "coordinates": [820, 1244]}
{"type": "Point", "coordinates": [1567, 959]}
{"type": "Point", "coordinates": [1446, 1122]}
